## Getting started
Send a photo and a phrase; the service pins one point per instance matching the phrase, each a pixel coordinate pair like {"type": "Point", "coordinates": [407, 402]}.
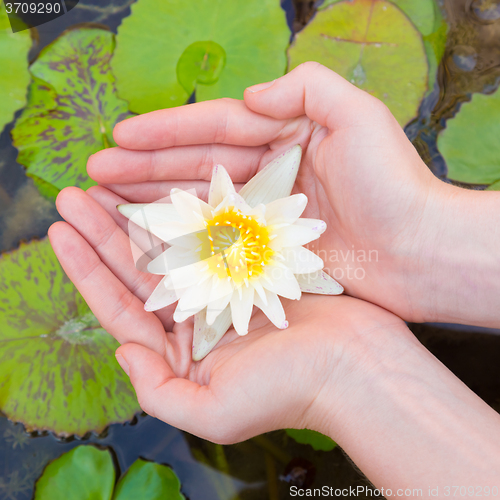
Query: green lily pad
{"type": "Point", "coordinates": [148, 480]}
{"type": "Point", "coordinates": [72, 109]}
{"type": "Point", "coordinates": [470, 142]}
{"type": "Point", "coordinates": [87, 472]}
{"type": "Point", "coordinates": [167, 50]}
{"type": "Point", "coordinates": [372, 44]}
{"type": "Point", "coordinates": [318, 441]}
{"type": "Point", "coordinates": [494, 187]}
{"type": "Point", "coordinates": [84, 472]}
{"type": "Point", "coordinates": [427, 18]}
{"type": "Point", "coordinates": [57, 366]}
{"type": "Point", "coordinates": [14, 75]}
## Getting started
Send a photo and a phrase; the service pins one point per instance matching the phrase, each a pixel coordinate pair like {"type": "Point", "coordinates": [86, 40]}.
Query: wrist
{"type": "Point", "coordinates": [455, 270]}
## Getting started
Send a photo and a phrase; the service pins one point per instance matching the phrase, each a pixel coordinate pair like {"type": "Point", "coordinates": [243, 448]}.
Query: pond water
{"type": "Point", "coordinates": [261, 467]}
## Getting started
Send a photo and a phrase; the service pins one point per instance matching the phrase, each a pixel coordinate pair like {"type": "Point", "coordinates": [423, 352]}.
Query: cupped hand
{"type": "Point", "coordinates": [360, 173]}
{"type": "Point", "coordinates": [266, 380]}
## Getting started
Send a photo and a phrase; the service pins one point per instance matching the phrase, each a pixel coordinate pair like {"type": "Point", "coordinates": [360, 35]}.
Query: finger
{"type": "Point", "coordinates": [111, 244]}
{"type": "Point", "coordinates": [118, 165]}
{"type": "Point", "coordinates": [109, 201]}
{"type": "Point", "coordinates": [314, 90]}
{"type": "Point", "coordinates": [222, 121]}
{"type": "Point", "coordinates": [177, 401]}
{"type": "Point", "coordinates": [118, 310]}
{"type": "Point", "coordinates": [149, 192]}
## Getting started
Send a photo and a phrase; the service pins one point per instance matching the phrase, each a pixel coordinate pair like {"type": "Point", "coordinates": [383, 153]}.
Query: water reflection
{"type": "Point", "coordinates": [485, 11]}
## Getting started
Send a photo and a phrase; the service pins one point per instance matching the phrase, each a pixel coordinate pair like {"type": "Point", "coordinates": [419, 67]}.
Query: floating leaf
{"type": "Point", "coordinates": [57, 366]}
{"type": "Point", "coordinates": [427, 18]}
{"type": "Point", "coordinates": [470, 143]}
{"type": "Point", "coordinates": [88, 473]}
{"type": "Point", "coordinates": [167, 50]}
{"type": "Point", "coordinates": [148, 480]}
{"type": "Point", "coordinates": [14, 75]}
{"type": "Point", "coordinates": [318, 441]}
{"type": "Point", "coordinates": [84, 473]}
{"type": "Point", "coordinates": [72, 109]}
{"type": "Point", "coordinates": [494, 187]}
{"type": "Point", "coordinates": [372, 44]}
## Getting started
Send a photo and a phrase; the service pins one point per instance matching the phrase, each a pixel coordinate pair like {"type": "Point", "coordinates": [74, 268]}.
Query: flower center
{"type": "Point", "coordinates": [238, 246]}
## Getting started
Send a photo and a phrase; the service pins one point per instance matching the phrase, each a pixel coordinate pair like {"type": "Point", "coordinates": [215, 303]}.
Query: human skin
{"type": "Point", "coordinates": [434, 246]}
{"type": "Point", "coordinates": [357, 374]}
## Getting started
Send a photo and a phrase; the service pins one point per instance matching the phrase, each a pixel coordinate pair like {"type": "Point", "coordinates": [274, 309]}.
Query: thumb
{"type": "Point", "coordinates": [177, 401]}
{"type": "Point", "coordinates": [314, 90]}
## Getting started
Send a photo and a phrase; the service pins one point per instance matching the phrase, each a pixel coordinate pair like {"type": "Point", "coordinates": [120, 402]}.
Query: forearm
{"type": "Point", "coordinates": [407, 421]}
{"type": "Point", "coordinates": [456, 268]}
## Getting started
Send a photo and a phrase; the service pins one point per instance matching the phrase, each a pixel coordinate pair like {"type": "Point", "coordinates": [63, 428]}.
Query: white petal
{"type": "Point", "coordinates": [320, 283]}
{"type": "Point", "coordinates": [150, 214]}
{"type": "Point", "coordinates": [193, 300]}
{"type": "Point", "coordinates": [301, 260]}
{"type": "Point", "coordinates": [280, 279]}
{"type": "Point", "coordinates": [206, 337]}
{"type": "Point", "coordinates": [273, 309]}
{"type": "Point", "coordinates": [184, 277]}
{"type": "Point", "coordinates": [291, 236]}
{"type": "Point", "coordinates": [241, 309]}
{"type": "Point", "coordinates": [216, 307]}
{"type": "Point", "coordinates": [161, 297]}
{"type": "Point", "coordinates": [220, 186]}
{"type": "Point", "coordinates": [316, 225]}
{"type": "Point", "coordinates": [232, 200]}
{"type": "Point", "coordinates": [172, 258]}
{"type": "Point", "coordinates": [285, 210]}
{"type": "Point", "coordinates": [275, 180]}
{"type": "Point", "coordinates": [190, 208]}
{"type": "Point", "coordinates": [170, 231]}
{"type": "Point", "coordinates": [259, 289]}
{"type": "Point", "coordinates": [221, 293]}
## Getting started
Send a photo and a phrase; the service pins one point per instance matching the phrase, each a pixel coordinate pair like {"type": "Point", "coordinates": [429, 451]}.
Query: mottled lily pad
{"type": "Point", "coordinates": [88, 473]}
{"type": "Point", "coordinates": [318, 441]}
{"type": "Point", "coordinates": [14, 75]}
{"type": "Point", "coordinates": [470, 143]}
{"type": "Point", "coordinates": [217, 48]}
{"type": "Point", "coordinates": [57, 366]}
{"type": "Point", "coordinates": [372, 44]}
{"type": "Point", "coordinates": [72, 109]}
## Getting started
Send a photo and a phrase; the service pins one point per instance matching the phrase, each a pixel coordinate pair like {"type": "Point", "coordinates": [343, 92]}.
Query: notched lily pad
{"type": "Point", "coordinates": [318, 441]}
{"type": "Point", "coordinates": [88, 473]}
{"type": "Point", "coordinates": [201, 62]}
{"type": "Point", "coordinates": [372, 44]}
{"type": "Point", "coordinates": [215, 47]}
{"type": "Point", "coordinates": [57, 366]}
{"type": "Point", "coordinates": [14, 75]}
{"type": "Point", "coordinates": [470, 142]}
{"type": "Point", "coordinates": [72, 109]}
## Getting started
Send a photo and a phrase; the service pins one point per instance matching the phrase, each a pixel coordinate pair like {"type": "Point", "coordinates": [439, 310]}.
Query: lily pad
{"type": "Point", "coordinates": [318, 441]}
{"type": "Point", "coordinates": [84, 472]}
{"type": "Point", "coordinates": [14, 76]}
{"type": "Point", "coordinates": [72, 109]}
{"type": "Point", "coordinates": [57, 366]}
{"type": "Point", "coordinates": [372, 44]}
{"type": "Point", "coordinates": [217, 48]}
{"type": "Point", "coordinates": [427, 18]}
{"type": "Point", "coordinates": [148, 480]}
{"type": "Point", "coordinates": [470, 142]}
{"type": "Point", "coordinates": [88, 473]}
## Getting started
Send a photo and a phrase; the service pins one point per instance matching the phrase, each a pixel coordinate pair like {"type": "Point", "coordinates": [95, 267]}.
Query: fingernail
{"type": "Point", "coordinates": [260, 86]}
{"type": "Point", "coordinates": [122, 363]}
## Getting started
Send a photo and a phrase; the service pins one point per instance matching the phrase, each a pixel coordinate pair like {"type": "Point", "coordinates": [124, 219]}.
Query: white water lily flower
{"type": "Point", "coordinates": [234, 252]}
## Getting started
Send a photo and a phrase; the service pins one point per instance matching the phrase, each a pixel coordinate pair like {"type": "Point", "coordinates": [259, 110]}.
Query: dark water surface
{"type": "Point", "coordinates": [255, 469]}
